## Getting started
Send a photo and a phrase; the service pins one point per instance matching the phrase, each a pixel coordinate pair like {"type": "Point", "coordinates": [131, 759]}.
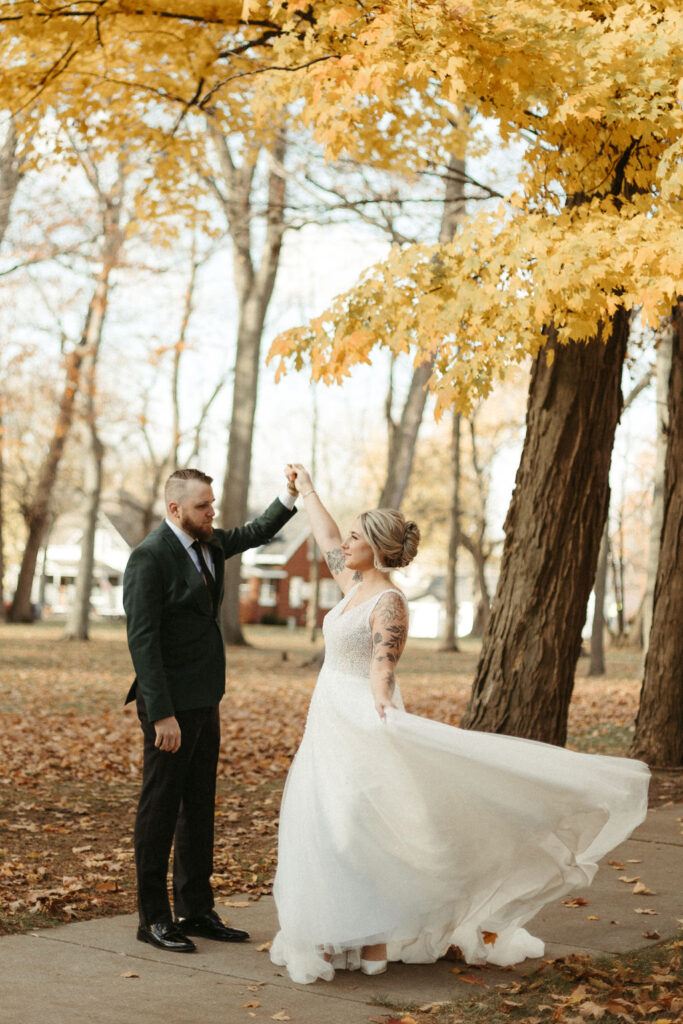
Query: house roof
{"type": "Point", "coordinates": [281, 547]}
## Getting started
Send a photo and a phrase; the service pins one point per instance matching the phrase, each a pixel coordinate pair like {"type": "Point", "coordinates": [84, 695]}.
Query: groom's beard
{"type": "Point", "coordinates": [204, 532]}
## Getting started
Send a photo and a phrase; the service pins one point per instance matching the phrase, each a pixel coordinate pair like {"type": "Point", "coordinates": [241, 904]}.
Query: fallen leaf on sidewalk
{"type": "Point", "coordinates": [264, 947]}
{"type": "Point", "coordinates": [252, 1005]}
{"type": "Point", "coordinates": [632, 860]}
{"type": "Point", "coordinates": [576, 901]}
{"type": "Point", "coordinates": [616, 864]}
{"type": "Point", "coordinates": [281, 1015]}
{"type": "Point", "coordinates": [645, 910]}
{"type": "Point", "coordinates": [639, 889]}
{"type": "Point", "coordinates": [629, 881]}
{"type": "Point", "coordinates": [236, 903]}
{"type": "Point", "coordinates": [652, 935]}
{"type": "Point", "coordinates": [129, 974]}
{"type": "Point", "coordinates": [592, 917]}
{"type": "Point", "coordinates": [470, 980]}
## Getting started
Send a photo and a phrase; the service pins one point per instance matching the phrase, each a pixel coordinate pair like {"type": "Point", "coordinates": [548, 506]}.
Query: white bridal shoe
{"type": "Point", "coordinates": [373, 966]}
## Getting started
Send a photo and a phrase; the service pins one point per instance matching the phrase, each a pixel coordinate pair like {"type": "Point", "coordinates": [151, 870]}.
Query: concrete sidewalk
{"type": "Point", "coordinates": [96, 971]}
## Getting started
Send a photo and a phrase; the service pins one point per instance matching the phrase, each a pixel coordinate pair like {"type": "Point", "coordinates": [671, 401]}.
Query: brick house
{"type": "Point", "coordinates": [276, 579]}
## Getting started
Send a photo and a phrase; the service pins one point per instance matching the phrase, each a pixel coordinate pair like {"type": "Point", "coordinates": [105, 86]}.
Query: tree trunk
{"type": "Point", "coordinates": [659, 725]}
{"type": "Point", "coordinates": [20, 609]}
{"type": "Point", "coordinates": [597, 662]}
{"type": "Point", "coordinates": [2, 511]}
{"type": "Point", "coordinates": [403, 436]}
{"type": "Point", "coordinates": [556, 517]}
{"type": "Point", "coordinates": [664, 350]}
{"type": "Point", "coordinates": [450, 642]}
{"type": "Point", "coordinates": [38, 514]}
{"type": "Point", "coordinates": [10, 176]}
{"type": "Point", "coordinates": [254, 287]}
{"type": "Point", "coordinates": [78, 621]}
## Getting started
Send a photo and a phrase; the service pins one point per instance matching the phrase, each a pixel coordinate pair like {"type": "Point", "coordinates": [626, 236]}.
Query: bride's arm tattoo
{"type": "Point", "coordinates": [390, 630]}
{"type": "Point", "coordinates": [335, 560]}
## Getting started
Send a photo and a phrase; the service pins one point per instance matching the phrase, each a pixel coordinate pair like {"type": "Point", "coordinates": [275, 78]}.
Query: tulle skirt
{"type": "Point", "coordinates": [414, 833]}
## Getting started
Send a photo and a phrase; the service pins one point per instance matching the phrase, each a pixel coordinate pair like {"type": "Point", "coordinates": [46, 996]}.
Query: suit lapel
{"type": "Point", "coordinates": [218, 566]}
{"type": "Point", "coordinates": [187, 569]}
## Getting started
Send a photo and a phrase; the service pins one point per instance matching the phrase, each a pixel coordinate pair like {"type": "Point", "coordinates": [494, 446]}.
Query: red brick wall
{"type": "Point", "coordinates": [298, 565]}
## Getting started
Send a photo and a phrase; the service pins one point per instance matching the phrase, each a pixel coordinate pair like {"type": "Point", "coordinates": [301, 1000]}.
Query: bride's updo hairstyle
{"type": "Point", "coordinates": [393, 538]}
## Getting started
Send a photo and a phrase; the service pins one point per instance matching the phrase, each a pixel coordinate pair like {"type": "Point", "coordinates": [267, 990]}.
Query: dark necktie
{"type": "Point", "coordinates": [206, 572]}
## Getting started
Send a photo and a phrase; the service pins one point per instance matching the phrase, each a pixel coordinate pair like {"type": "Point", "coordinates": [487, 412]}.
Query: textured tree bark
{"type": "Point", "coordinates": [659, 725]}
{"type": "Point", "coordinates": [597, 662]}
{"type": "Point", "coordinates": [254, 286]}
{"type": "Point", "coordinates": [662, 386]}
{"type": "Point", "coordinates": [553, 528]}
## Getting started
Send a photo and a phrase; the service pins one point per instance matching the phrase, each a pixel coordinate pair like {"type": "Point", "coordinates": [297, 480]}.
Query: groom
{"type": "Point", "coordinates": [172, 591]}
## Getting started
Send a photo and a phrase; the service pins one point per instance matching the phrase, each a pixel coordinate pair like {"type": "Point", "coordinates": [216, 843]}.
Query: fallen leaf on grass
{"type": "Point", "coordinates": [107, 887]}
{"type": "Point", "coordinates": [651, 935]}
{"type": "Point", "coordinates": [430, 1007]}
{"type": "Point", "coordinates": [510, 1005]}
{"type": "Point", "coordinates": [591, 1009]}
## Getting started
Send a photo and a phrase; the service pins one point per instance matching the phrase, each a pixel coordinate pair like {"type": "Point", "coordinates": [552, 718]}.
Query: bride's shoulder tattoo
{"type": "Point", "coordinates": [335, 560]}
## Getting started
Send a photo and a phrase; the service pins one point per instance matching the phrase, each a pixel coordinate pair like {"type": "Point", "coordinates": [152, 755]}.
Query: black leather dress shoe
{"type": "Point", "coordinates": [210, 926]}
{"type": "Point", "coordinates": [166, 936]}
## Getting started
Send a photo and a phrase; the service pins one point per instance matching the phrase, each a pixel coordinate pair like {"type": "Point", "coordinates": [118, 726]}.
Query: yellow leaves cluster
{"type": "Point", "coordinates": [478, 304]}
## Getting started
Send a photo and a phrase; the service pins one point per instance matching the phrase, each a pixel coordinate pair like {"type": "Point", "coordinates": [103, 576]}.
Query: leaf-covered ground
{"type": "Point", "coordinates": [641, 986]}
{"type": "Point", "coordinates": [70, 758]}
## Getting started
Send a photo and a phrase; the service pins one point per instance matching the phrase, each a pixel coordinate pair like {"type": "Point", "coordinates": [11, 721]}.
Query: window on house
{"type": "Point", "coordinates": [296, 592]}
{"type": "Point", "coordinates": [267, 597]}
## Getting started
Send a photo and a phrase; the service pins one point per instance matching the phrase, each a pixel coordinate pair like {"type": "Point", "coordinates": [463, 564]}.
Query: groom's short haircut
{"type": "Point", "coordinates": [176, 485]}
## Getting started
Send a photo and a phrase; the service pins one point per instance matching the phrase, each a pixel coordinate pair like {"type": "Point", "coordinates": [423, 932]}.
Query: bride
{"type": "Point", "coordinates": [400, 836]}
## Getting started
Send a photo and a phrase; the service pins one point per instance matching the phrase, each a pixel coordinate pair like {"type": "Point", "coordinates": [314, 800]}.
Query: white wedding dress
{"type": "Point", "coordinates": [414, 833]}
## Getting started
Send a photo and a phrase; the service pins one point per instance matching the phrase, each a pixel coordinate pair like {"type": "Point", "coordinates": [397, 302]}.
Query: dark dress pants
{"type": "Point", "coordinates": [176, 809]}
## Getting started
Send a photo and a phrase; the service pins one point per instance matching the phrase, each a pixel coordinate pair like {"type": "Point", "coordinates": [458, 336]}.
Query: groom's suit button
{"type": "Point", "coordinates": [210, 926]}
{"type": "Point", "coordinates": [166, 936]}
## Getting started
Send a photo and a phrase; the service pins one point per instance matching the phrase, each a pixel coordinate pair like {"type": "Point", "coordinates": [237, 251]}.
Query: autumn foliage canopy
{"type": "Point", "coordinates": [594, 91]}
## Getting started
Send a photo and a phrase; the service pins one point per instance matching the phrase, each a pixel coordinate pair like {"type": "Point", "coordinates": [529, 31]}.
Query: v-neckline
{"type": "Point", "coordinates": [360, 604]}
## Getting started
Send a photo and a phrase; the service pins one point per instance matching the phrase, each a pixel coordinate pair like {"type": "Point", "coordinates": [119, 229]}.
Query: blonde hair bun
{"type": "Point", "coordinates": [392, 537]}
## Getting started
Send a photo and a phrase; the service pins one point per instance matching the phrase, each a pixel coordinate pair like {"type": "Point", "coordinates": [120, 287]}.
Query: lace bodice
{"type": "Point", "coordinates": [348, 639]}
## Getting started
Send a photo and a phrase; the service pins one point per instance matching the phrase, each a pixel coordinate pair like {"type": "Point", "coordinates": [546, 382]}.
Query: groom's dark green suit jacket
{"type": "Point", "coordinates": [174, 629]}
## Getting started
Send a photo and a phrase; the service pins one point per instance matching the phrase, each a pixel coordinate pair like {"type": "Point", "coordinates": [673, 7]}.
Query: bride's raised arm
{"type": "Point", "coordinates": [325, 530]}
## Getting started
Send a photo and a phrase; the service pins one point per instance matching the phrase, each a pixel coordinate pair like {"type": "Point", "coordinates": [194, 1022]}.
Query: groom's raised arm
{"type": "Point", "coordinates": [260, 529]}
